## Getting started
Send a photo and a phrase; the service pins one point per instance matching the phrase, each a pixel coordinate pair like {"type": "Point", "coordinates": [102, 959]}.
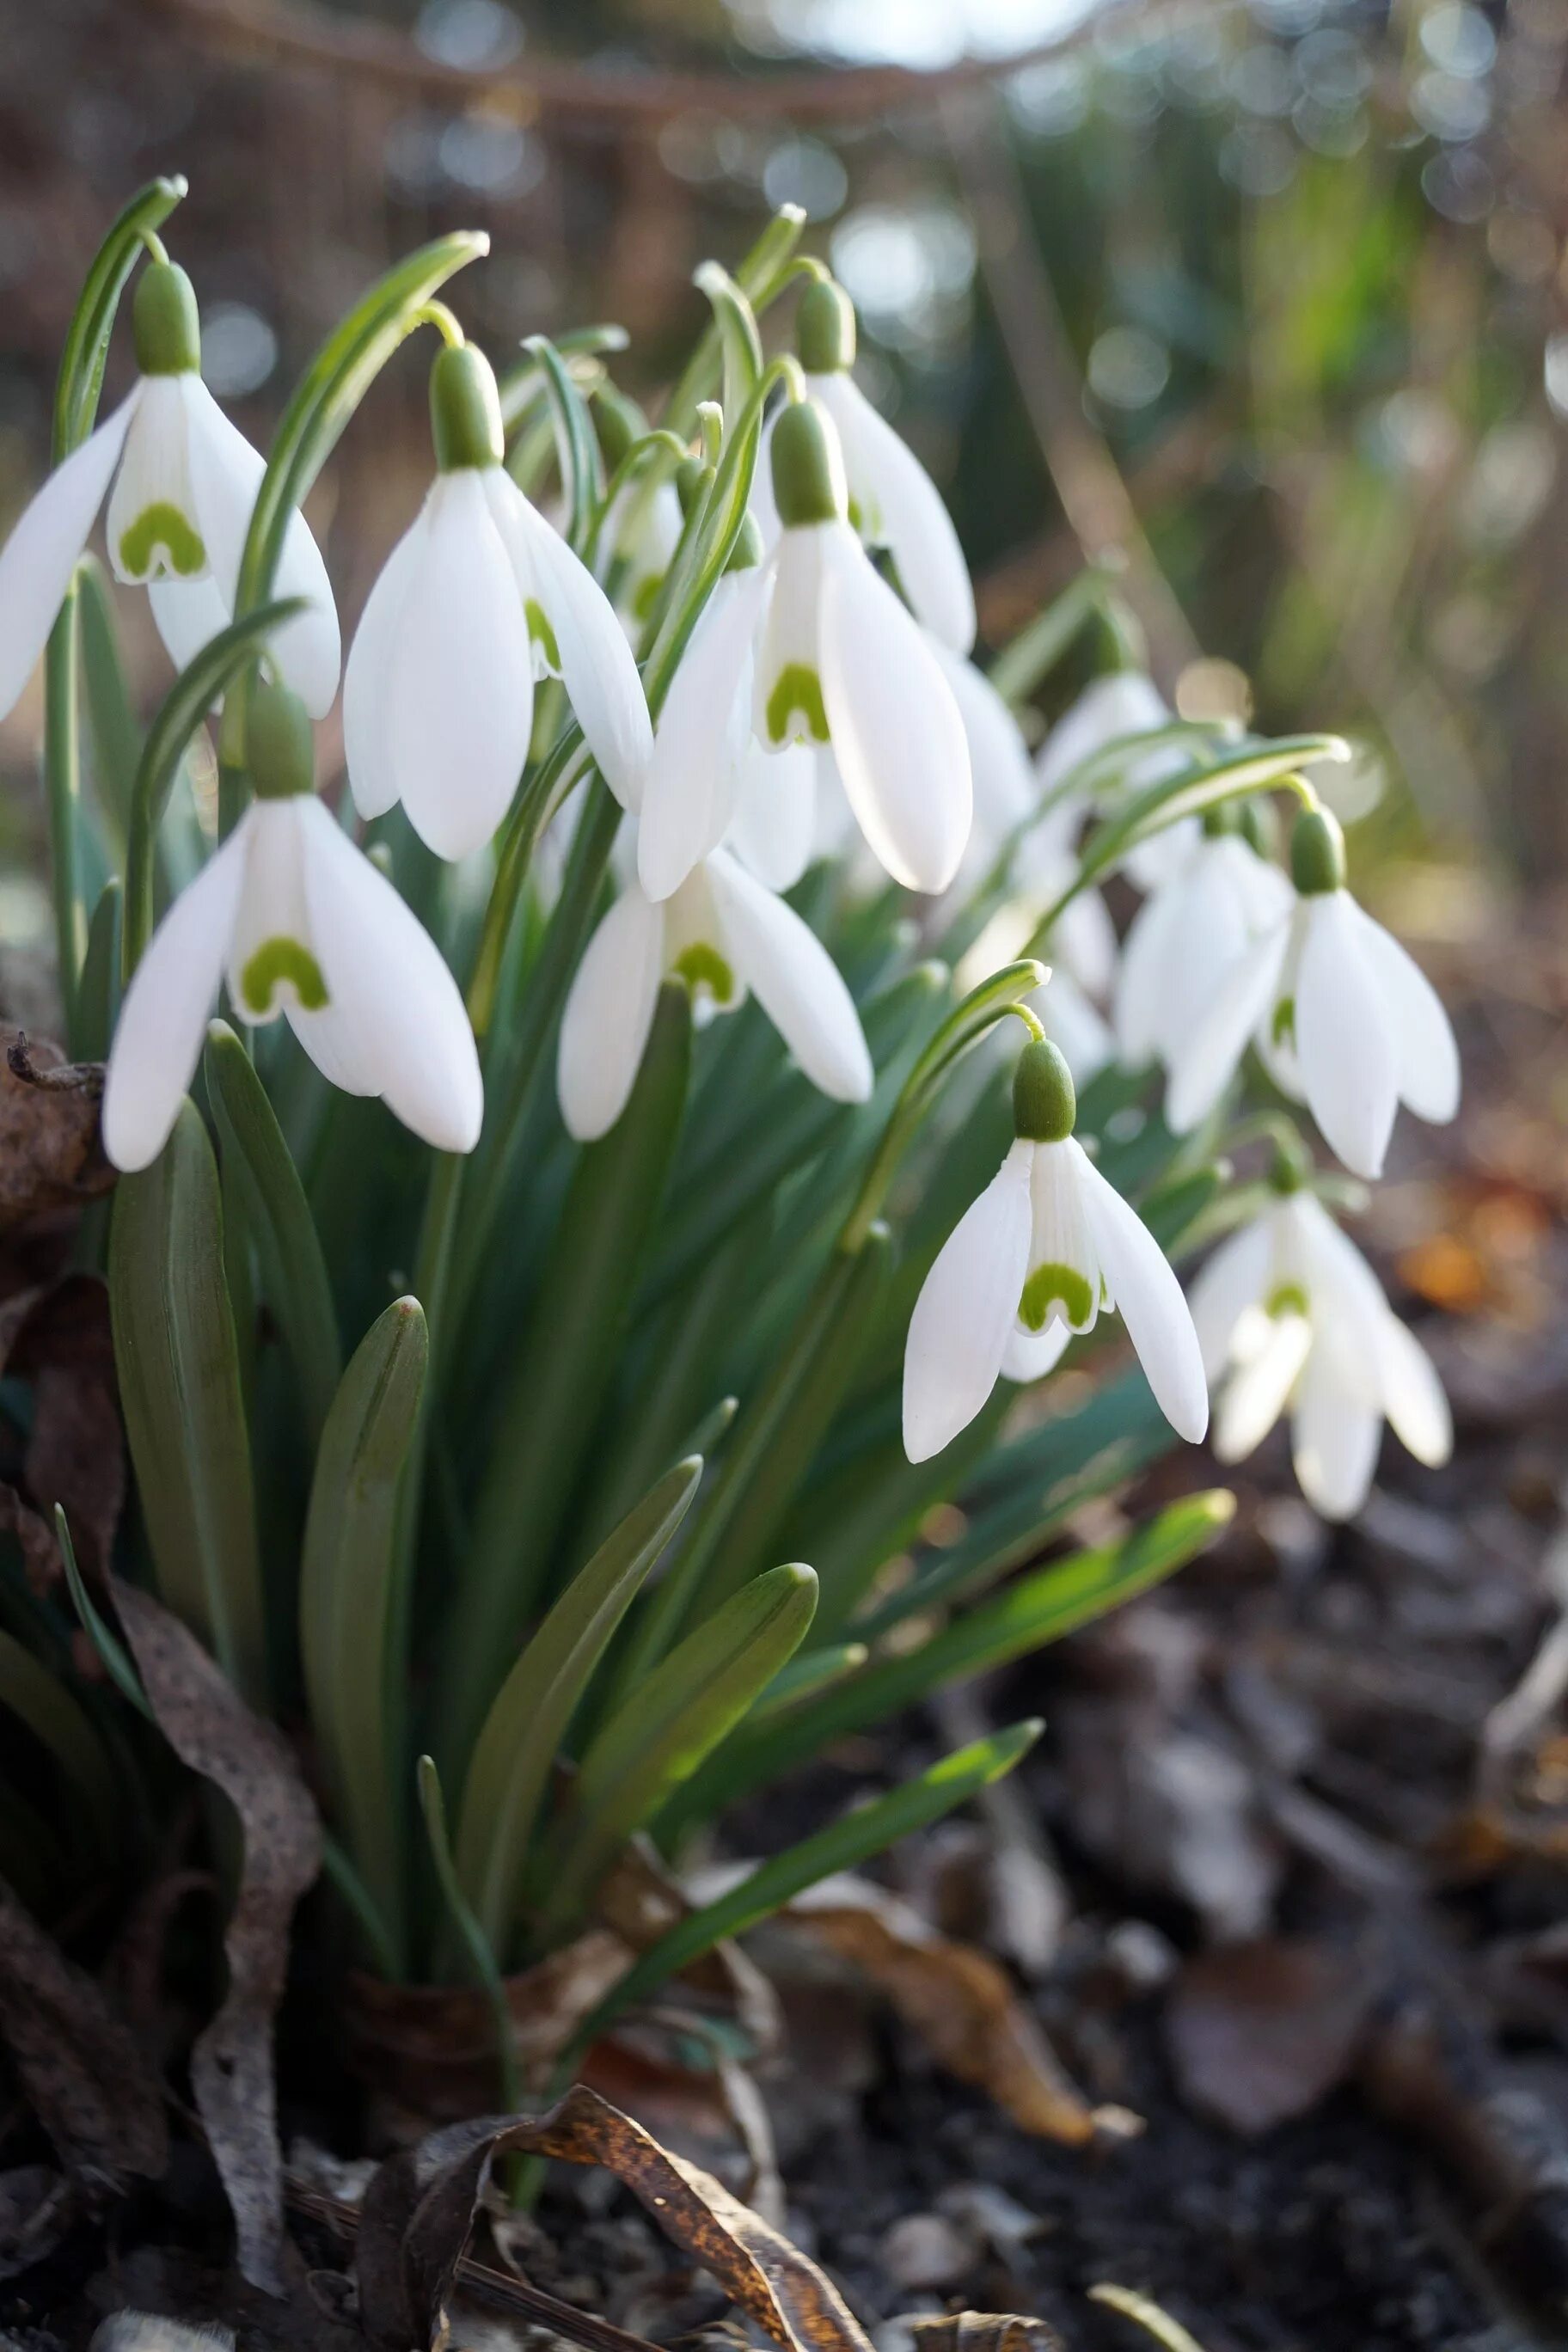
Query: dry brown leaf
{"type": "Point", "coordinates": [57, 1338]}
{"type": "Point", "coordinates": [83, 2073]}
{"type": "Point", "coordinates": [1260, 2032]}
{"type": "Point", "coordinates": [419, 2212]}
{"type": "Point", "coordinates": [212, 1731]}
{"type": "Point", "coordinates": [51, 1155]}
{"type": "Point", "coordinates": [982, 2331]}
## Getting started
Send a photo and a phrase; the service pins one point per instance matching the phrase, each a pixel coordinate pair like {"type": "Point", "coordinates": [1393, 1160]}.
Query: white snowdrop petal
{"type": "Point", "coordinates": [1258, 1391]}
{"type": "Point", "coordinates": [152, 525]}
{"type": "Point", "coordinates": [1422, 1035]}
{"type": "Point", "coordinates": [1334, 1439]}
{"type": "Point", "coordinates": [1413, 1397]}
{"type": "Point", "coordinates": [958, 1333]}
{"type": "Point", "coordinates": [596, 663]}
{"type": "Point", "coordinates": [329, 1039]}
{"type": "Point", "coordinates": [1121, 702]}
{"type": "Point", "coordinates": [1203, 1065]}
{"type": "Point", "coordinates": [370, 748]}
{"type": "Point", "coordinates": [901, 509]}
{"type": "Point", "coordinates": [404, 1022]}
{"type": "Point", "coordinates": [37, 560]}
{"type": "Point", "coordinates": [774, 828]}
{"type": "Point", "coordinates": [1147, 973]}
{"type": "Point", "coordinates": [999, 763]}
{"type": "Point", "coordinates": [1344, 1050]}
{"type": "Point", "coordinates": [609, 1013]}
{"type": "Point", "coordinates": [1083, 939]}
{"type": "Point", "coordinates": [163, 1021]}
{"type": "Point", "coordinates": [462, 679]}
{"type": "Point", "coordinates": [1235, 1279]}
{"type": "Point", "coordinates": [1030, 1355]}
{"type": "Point", "coordinates": [1149, 1299]}
{"type": "Point", "coordinates": [894, 725]}
{"type": "Point", "coordinates": [703, 735]}
{"type": "Point", "coordinates": [1342, 1286]}
{"type": "Point", "coordinates": [189, 615]}
{"type": "Point", "coordinates": [795, 979]}
{"type": "Point", "coordinates": [1059, 1235]}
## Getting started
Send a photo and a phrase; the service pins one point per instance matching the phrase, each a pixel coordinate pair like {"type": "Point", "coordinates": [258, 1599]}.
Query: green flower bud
{"type": "Point", "coordinates": [747, 551]}
{"type": "Point", "coordinates": [1292, 1165]}
{"type": "Point", "coordinates": [809, 468]}
{"type": "Point", "coordinates": [1317, 853]}
{"type": "Point", "coordinates": [280, 748]}
{"type": "Point", "coordinates": [693, 479]}
{"type": "Point", "coordinates": [165, 324]}
{"type": "Point", "coordinates": [465, 409]}
{"type": "Point", "coordinates": [1220, 818]}
{"type": "Point", "coordinates": [1045, 1101]}
{"type": "Point", "coordinates": [825, 328]}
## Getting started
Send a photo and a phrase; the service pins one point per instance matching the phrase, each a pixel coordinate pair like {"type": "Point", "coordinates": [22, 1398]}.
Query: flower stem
{"type": "Point", "coordinates": [62, 778]}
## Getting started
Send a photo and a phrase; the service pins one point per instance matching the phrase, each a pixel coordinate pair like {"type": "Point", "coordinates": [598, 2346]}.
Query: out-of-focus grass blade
{"type": "Point", "coordinates": [112, 729]}
{"type": "Point", "coordinates": [98, 990]}
{"type": "Point", "coordinates": [178, 1364]}
{"type": "Point", "coordinates": [111, 1649]}
{"type": "Point", "coordinates": [482, 1958]}
{"type": "Point", "coordinates": [56, 1719]}
{"type": "Point", "coordinates": [809, 1672]}
{"type": "Point", "coordinates": [294, 1272]}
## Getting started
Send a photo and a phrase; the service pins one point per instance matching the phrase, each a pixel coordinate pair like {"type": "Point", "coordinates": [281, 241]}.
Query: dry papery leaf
{"type": "Point", "coordinates": [83, 2074]}
{"type": "Point", "coordinates": [211, 1730]}
{"type": "Point", "coordinates": [51, 1155]}
{"type": "Point", "coordinates": [1260, 2032]}
{"type": "Point", "coordinates": [981, 2331]}
{"type": "Point", "coordinates": [56, 1337]}
{"type": "Point", "coordinates": [419, 2212]}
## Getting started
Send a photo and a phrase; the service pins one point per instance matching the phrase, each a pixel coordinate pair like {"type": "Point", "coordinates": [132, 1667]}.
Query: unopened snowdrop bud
{"type": "Point", "coordinates": [478, 600]}
{"type": "Point", "coordinates": [185, 482]}
{"type": "Point", "coordinates": [1343, 1017]}
{"type": "Point", "coordinates": [298, 923]}
{"type": "Point", "coordinates": [1045, 1248]}
{"type": "Point", "coordinates": [839, 660]}
{"type": "Point", "coordinates": [1292, 1320]}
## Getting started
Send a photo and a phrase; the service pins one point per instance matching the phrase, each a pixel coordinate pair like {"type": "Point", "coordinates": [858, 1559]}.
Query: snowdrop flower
{"type": "Point", "coordinates": [1292, 1320]}
{"type": "Point", "coordinates": [478, 600]}
{"type": "Point", "coordinates": [1082, 944]}
{"type": "Point", "coordinates": [1344, 1019]}
{"type": "Point", "coordinates": [1188, 933]}
{"type": "Point", "coordinates": [178, 514]}
{"type": "Point", "coordinates": [721, 934]}
{"type": "Point", "coordinates": [1046, 1246]}
{"type": "Point", "coordinates": [1004, 790]}
{"type": "Point", "coordinates": [1118, 705]}
{"type": "Point", "coordinates": [298, 922]}
{"type": "Point", "coordinates": [643, 530]}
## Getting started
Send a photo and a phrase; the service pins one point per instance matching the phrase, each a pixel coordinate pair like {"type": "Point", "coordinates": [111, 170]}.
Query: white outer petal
{"type": "Point", "coordinates": [958, 1333]}
{"type": "Point", "coordinates": [1413, 1397]}
{"type": "Point", "coordinates": [894, 725]}
{"type": "Point", "coordinates": [402, 1016]}
{"type": "Point", "coordinates": [225, 474]}
{"type": "Point", "coordinates": [795, 979]}
{"type": "Point", "coordinates": [703, 735]}
{"type": "Point", "coordinates": [1084, 941]}
{"type": "Point", "coordinates": [609, 1013]}
{"type": "Point", "coordinates": [775, 824]}
{"type": "Point", "coordinates": [1121, 702]}
{"type": "Point", "coordinates": [1334, 1438]}
{"type": "Point", "coordinates": [1202, 1066]}
{"type": "Point", "coordinates": [163, 1021]}
{"type": "Point", "coordinates": [37, 560]}
{"type": "Point", "coordinates": [1424, 1038]}
{"type": "Point", "coordinates": [904, 511]}
{"type": "Point", "coordinates": [1344, 1051]}
{"type": "Point", "coordinates": [1235, 1277]}
{"type": "Point", "coordinates": [1149, 959]}
{"type": "Point", "coordinates": [370, 750]}
{"type": "Point", "coordinates": [189, 615]}
{"type": "Point", "coordinates": [999, 764]}
{"type": "Point", "coordinates": [1030, 1355]}
{"type": "Point", "coordinates": [1149, 1299]}
{"type": "Point", "coordinates": [460, 675]}
{"type": "Point", "coordinates": [1258, 1390]}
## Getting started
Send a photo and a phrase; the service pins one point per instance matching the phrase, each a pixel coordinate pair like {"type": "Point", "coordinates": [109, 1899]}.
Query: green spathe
{"type": "Point", "coordinates": [165, 324]}
{"type": "Point", "coordinates": [465, 409]}
{"type": "Point", "coordinates": [279, 748]}
{"type": "Point", "coordinates": [825, 328]}
{"type": "Point", "coordinates": [1317, 854]}
{"type": "Point", "coordinates": [1045, 1101]}
{"type": "Point", "coordinates": [809, 468]}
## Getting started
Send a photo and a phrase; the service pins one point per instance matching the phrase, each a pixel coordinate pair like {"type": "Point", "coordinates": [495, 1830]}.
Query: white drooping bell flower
{"type": "Point", "coordinates": [1345, 1020]}
{"type": "Point", "coordinates": [1048, 1247]}
{"type": "Point", "coordinates": [178, 515]}
{"type": "Point", "coordinates": [1292, 1320]}
{"type": "Point", "coordinates": [1044, 863]}
{"type": "Point", "coordinates": [299, 923]}
{"type": "Point", "coordinates": [722, 934]}
{"type": "Point", "coordinates": [478, 600]}
{"type": "Point", "coordinates": [1220, 896]}
{"type": "Point", "coordinates": [1004, 790]}
{"type": "Point", "coordinates": [1116, 708]}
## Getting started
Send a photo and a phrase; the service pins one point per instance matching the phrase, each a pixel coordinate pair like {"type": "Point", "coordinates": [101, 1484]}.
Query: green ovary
{"type": "Point", "coordinates": [277, 961]}
{"type": "Point", "coordinates": [163, 528]}
{"type": "Point", "coordinates": [796, 689]}
{"type": "Point", "coordinates": [543, 635]}
{"type": "Point", "coordinates": [1288, 1299]}
{"type": "Point", "coordinates": [1282, 1028]}
{"type": "Point", "coordinates": [1050, 1286]}
{"type": "Point", "coordinates": [704, 967]}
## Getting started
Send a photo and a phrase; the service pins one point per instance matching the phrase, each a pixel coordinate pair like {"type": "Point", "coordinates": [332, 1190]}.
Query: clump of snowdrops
{"type": "Point", "coordinates": [544, 1347]}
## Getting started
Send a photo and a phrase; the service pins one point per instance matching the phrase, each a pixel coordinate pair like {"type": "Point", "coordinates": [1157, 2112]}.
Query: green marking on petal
{"type": "Point", "coordinates": [541, 635]}
{"type": "Point", "coordinates": [796, 687]}
{"type": "Point", "coordinates": [703, 967]}
{"type": "Point", "coordinates": [277, 961]}
{"type": "Point", "coordinates": [1282, 1028]}
{"type": "Point", "coordinates": [1050, 1286]}
{"type": "Point", "coordinates": [1288, 1299]}
{"type": "Point", "coordinates": [162, 530]}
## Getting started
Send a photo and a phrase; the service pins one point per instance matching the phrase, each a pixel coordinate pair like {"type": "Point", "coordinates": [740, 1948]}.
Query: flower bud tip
{"type": "Point", "coordinates": [1045, 1101]}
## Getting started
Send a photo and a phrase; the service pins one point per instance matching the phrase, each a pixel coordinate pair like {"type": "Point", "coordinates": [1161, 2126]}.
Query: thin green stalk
{"type": "Point", "coordinates": [62, 783]}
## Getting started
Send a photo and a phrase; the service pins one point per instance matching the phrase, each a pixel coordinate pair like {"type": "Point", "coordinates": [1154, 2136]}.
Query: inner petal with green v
{"type": "Point", "coordinates": [1282, 1028]}
{"type": "Point", "coordinates": [162, 540]}
{"type": "Point", "coordinates": [1286, 1298]}
{"type": "Point", "coordinates": [704, 969]}
{"type": "Point", "coordinates": [796, 687]}
{"type": "Point", "coordinates": [1052, 1286]}
{"type": "Point", "coordinates": [541, 635]}
{"type": "Point", "coordinates": [278, 962]}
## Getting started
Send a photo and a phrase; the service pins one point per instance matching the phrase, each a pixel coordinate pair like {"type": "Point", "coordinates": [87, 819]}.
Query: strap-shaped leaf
{"type": "Point", "coordinates": [471, 1935]}
{"type": "Point", "coordinates": [57, 1719]}
{"type": "Point", "coordinates": [576, 443]}
{"type": "Point", "coordinates": [662, 1731]}
{"type": "Point", "coordinates": [98, 990]}
{"type": "Point", "coordinates": [294, 1272]}
{"type": "Point", "coordinates": [524, 1729]}
{"type": "Point", "coordinates": [114, 733]}
{"type": "Point", "coordinates": [345, 1590]}
{"type": "Point", "coordinates": [178, 1364]}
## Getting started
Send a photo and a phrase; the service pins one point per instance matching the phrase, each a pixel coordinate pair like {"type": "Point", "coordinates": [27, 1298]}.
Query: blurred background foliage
{"type": "Point", "coordinates": [1267, 295]}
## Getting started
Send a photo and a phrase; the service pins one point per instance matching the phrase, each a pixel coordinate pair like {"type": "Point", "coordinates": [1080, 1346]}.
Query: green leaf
{"type": "Point", "coordinates": [111, 1649]}
{"type": "Point", "coordinates": [741, 344]}
{"type": "Point", "coordinates": [97, 993]}
{"type": "Point", "coordinates": [809, 1672]}
{"type": "Point", "coordinates": [525, 1728]}
{"type": "Point", "coordinates": [115, 734]}
{"type": "Point", "coordinates": [178, 1364]}
{"type": "Point", "coordinates": [661, 1733]}
{"type": "Point", "coordinates": [482, 1958]}
{"type": "Point", "coordinates": [294, 1272]}
{"type": "Point", "coordinates": [345, 1590]}
{"type": "Point", "coordinates": [576, 443]}
{"type": "Point", "coordinates": [58, 1722]}
{"type": "Point", "coordinates": [86, 352]}
{"type": "Point", "coordinates": [844, 1845]}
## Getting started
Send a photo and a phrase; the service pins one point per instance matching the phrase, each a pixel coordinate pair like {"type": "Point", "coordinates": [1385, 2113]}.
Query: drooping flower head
{"type": "Point", "coordinates": [184, 484]}
{"type": "Point", "coordinates": [478, 601]}
{"type": "Point", "coordinates": [298, 923]}
{"type": "Point", "coordinates": [1219, 897]}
